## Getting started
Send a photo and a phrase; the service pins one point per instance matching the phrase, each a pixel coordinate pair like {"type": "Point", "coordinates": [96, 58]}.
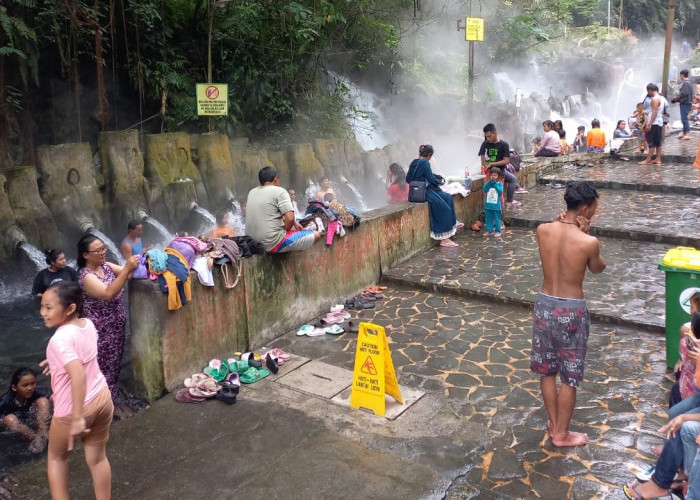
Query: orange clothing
{"type": "Point", "coordinates": [218, 232]}
{"type": "Point", "coordinates": [596, 138]}
{"type": "Point", "coordinates": [696, 164]}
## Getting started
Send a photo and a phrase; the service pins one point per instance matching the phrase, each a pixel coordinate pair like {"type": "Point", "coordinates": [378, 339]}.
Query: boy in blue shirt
{"type": "Point", "coordinates": [492, 203]}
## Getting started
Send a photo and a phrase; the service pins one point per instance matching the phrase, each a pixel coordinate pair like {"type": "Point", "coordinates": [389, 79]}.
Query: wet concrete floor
{"type": "Point", "coordinates": [459, 329]}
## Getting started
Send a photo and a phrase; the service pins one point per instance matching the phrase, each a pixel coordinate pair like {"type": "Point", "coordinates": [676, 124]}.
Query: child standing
{"type": "Point", "coordinates": [25, 404]}
{"type": "Point", "coordinates": [82, 402]}
{"type": "Point", "coordinates": [492, 204]}
{"type": "Point", "coordinates": [640, 119]}
{"type": "Point", "coordinates": [579, 143]}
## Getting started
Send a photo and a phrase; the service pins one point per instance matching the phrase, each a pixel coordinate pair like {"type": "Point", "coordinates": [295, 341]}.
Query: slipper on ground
{"type": "Point", "coordinates": [334, 330]}
{"type": "Point", "coordinates": [305, 329]}
{"type": "Point", "coordinates": [281, 354]}
{"type": "Point", "coordinates": [253, 375]}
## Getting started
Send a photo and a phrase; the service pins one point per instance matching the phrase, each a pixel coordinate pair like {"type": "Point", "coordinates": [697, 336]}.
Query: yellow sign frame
{"type": "Point", "coordinates": [474, 29]}
{"type": "Point", "coordinates": [212, 99]}
{"type": "Point", "coordinates": [374, 375]}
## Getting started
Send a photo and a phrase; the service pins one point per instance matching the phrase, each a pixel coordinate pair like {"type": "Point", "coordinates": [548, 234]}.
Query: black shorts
{"type": "Point", "coordinates": [655, 136]}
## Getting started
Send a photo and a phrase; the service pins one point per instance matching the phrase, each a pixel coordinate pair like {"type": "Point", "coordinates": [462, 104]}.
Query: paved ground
{"type": "Point", "coordinates": [459, 330]}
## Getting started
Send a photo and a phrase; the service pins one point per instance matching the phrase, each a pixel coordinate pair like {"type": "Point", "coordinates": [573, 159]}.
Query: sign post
{"type": "Point", "coordinates": [374, 375]}
{"type": "Point", "coordinates": [473, 32]}
{"type": "Point", "coordinates": [212, 100]}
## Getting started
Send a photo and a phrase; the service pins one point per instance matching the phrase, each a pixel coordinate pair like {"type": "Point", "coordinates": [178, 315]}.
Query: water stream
{"type": "Point", "coordinates": [236, 218]}
{"type": "Point", "coordinates": [111, 246]}
{"type": "Point", "coordinates": [34, 254]}
{"type": "Point", "coordinates": [164, 236]}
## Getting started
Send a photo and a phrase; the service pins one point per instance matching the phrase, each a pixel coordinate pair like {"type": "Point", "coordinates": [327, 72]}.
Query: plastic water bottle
{"type": "Point", "coordinates": [467, 180]}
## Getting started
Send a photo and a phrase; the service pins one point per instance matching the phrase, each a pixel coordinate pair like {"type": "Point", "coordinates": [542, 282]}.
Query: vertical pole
{"type": "Point", "coordinates": [471, 71]}
{"type": "Point", "coordinates": [608, 16]}
{"type": "Point", "coordinates": [209, 75]}
{"type": "Point", "coordinates": [667, 48]}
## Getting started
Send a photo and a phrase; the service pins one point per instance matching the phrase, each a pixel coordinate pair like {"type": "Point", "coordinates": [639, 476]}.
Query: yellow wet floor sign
{"type": "Point", "coordinates": [374, 375]}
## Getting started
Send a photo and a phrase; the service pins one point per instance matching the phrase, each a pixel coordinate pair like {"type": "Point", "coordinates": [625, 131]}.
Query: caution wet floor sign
{"type": "Point", "coordinates": [374, 375]}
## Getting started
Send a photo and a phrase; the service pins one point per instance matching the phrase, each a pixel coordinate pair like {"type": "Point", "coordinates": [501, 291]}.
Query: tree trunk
{"type": "Point", "coordinates": [5, 155]}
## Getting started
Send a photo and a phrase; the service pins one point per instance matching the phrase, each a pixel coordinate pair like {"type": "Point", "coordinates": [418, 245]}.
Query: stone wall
{"type": "Point", "coordinates": [277, 293]}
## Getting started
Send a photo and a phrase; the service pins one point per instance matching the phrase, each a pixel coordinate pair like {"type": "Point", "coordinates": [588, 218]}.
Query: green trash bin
{"type": "Point", "coordinates": [682, 267]}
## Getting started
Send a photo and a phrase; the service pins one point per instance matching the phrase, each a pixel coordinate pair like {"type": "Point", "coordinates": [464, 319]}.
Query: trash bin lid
{"type": "Point", "coordinates": [682, 258]}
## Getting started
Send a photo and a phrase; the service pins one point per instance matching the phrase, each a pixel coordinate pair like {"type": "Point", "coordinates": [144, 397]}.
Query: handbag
{"type": "Point", "coordinates": [417, 191]}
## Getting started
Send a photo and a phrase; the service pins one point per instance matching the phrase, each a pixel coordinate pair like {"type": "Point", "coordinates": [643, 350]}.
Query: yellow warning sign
{"type": "Point", "coordinates": [212, 99]}
{"type": "Point", "coordinates": [374, 374]}
{"type": "Point", "coordinates": [475, 29]}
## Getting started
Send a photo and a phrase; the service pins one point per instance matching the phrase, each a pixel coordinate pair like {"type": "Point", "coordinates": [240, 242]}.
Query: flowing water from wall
{"type": "Point", "coordinates": [111, 247]}
{"type": "Point", "coordinates": [164, 236]}
{"type": "Point", "coordinates": [204, 214]}
{"type": "Point", "coordinates": [34, 254]}
{"type": "Point", "coordinates": [360, 199]}
{"type": "Point", "coordinates": [236, 218]}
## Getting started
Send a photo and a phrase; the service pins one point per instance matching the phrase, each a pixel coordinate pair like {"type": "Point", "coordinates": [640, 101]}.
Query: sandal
{"type": "Point", "coordinates": [281, 354]}
{"type": "Point", "coordinates": [334, 330]}
{"type": "Point", "coordinates": [253, 375]}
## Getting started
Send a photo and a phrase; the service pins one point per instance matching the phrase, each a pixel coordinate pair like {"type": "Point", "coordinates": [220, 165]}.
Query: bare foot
{"type": "Point", "coordinates": [645, 490]}
{"type": "Point", "coordinates": [643, 163]}
{"type": "Point", "coordinates": [571, 439]}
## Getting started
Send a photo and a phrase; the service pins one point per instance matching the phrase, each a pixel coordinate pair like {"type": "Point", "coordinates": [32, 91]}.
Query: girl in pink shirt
{"type": "Point", "coordinates": [82, 402]}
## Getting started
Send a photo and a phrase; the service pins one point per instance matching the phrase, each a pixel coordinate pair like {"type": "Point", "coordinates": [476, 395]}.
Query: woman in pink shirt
{"type": "Point", "coordinates": [82, 402]}
{"type": "Point", "coordinates": [550, 145]}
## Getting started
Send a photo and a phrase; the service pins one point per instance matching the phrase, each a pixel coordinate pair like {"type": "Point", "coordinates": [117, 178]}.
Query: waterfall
{"type": "Point", "coordinates": [34, 254]}
{"type": "Point", "coordinates": [363, 112]}
{"type": "Point", "coordinates": [505, 86]}
{"type": "Point", "coordinates": [111, 247]}
{"type": "Point", "coordinates": [311, 190]}
{"type": "Point", "coordinates": [356, 192]}
{"type": "Point", "coordinates": [235, 217]}
{"type": "Point", "coordinates": [204, 213]}
{"type": "Point", "coordinates": [164, 235]}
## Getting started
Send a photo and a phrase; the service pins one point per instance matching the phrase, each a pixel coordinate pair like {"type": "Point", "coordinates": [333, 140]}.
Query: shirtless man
{"type": "Point", "coordinates": [561, 323]}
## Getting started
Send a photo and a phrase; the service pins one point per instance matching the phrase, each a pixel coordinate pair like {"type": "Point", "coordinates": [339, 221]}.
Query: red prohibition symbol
{"type": "Point", "coordinates": [212, 92]}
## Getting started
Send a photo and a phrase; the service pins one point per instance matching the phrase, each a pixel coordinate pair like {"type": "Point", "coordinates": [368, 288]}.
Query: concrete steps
{"type": "Point", "coordinates": [656, 217]}
{"type": "Point", "coordinates": [630, 292]}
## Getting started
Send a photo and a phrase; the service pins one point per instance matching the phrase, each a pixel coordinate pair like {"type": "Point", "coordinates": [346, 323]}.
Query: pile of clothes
{"type": "Point", "coordinates": [171, 266]}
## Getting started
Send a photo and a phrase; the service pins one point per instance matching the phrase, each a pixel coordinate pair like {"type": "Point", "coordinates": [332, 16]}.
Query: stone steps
{"type": "Point", "coordinates": [671, 219]}
{"type": "Point", "coordinates": [631, 291]}
{"type": "Point", "coordinates": [676, 178]}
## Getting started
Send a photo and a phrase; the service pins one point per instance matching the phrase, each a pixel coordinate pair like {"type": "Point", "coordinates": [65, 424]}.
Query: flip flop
{"type": "Point", "coordinates": [232, 379]}
{"type": "Point", "coordinates": [635, 495]}
{"type": "Point", "coordinates": [184, 396]}
{"type": "Point", "coordinates": [281, 354]}
{"type": "Point", "coordinates": [334, 330]}
{"type": "Point", "coordinates": [227, 395]}
{"type": "Point", "coordinates": [195, 379]}
{"type": "Point", "coordinates": [253, 375]}
{"type": "Point", "coordinates": [271, 363]}
{"type": "Point", "coordinates": [237, 366]}
{"type": "Point", "coordinates": [350, 326]}
{"type": "Point", "coordinates": [304, 330]}
{"type": "Point", "coordinates": [316, 332]}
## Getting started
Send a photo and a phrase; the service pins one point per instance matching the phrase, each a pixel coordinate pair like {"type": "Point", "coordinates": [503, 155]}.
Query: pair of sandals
{"type": "Point", "coordinates": [198, 388]}
{"type": "Point", "coordinates": [358, 303]}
